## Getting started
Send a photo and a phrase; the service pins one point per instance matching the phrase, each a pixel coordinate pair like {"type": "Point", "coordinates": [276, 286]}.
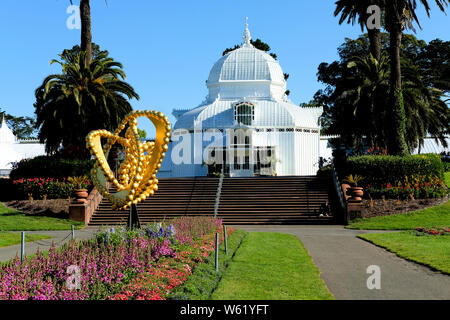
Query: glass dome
{"type": "Point", "coordinates": [246, 72]}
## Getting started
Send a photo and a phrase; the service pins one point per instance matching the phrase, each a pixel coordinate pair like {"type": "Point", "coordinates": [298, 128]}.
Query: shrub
{"type": "Point", "coordinates": [324, 171]}
{"type": "Point", "coordinates": [8, 190]}
{"type": "Point", "coordinates": [52, 167]}
{"type": "Point", "coordinates": [381, 169]}
{"type": "Point", "coordinates": [446, 166]}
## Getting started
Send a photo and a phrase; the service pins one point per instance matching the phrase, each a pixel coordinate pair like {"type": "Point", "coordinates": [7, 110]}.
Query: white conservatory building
{"type": "Point", "coordinates": [246, 126]}
{"type": "Point", "coordinates": [13, 150]}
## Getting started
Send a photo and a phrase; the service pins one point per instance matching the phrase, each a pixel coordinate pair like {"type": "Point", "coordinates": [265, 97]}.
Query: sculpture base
{"type": "Point", "coordinates": [133, 218]}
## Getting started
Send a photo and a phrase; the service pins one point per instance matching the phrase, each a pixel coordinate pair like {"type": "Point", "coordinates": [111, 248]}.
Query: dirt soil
{"type": "Point", "coordinates": [387, 207]}
{"type": "Point", "coordinates": [58, 208]}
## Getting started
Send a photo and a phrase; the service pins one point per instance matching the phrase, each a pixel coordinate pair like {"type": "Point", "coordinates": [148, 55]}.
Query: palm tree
{"type": "Point", "coordinates": [356, 11]}
{"type": "Point", "coordinates": [399, 15]}
{"type": "Point", "coordinates": [366, 103]}
{"type": "Point", "coordinates": [80, 99]}
{"type": "Point", "coordinates": [86, 34]}
{"type": "Point", "coordinates": [425, 110]}
{"type": "Point", "coordinates": [367, 88]}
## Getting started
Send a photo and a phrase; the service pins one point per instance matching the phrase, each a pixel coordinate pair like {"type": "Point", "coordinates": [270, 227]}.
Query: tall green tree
{"type": "Point", "coordinates": [366, 96]}
{"type": "Point", "coordinates": [399, 15]}
{"type": "Point", "coordinates": [83, 97]}
{"type": "Point", "coordinates": [425, 111]}
{"type": "Point", "coordinates": [356, 99]}
{"type": "Point", "coordinates": [434, 63]}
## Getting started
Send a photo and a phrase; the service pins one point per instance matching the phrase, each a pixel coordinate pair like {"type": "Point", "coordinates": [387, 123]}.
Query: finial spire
{"type": "Point", "coordinates": [247, 37]}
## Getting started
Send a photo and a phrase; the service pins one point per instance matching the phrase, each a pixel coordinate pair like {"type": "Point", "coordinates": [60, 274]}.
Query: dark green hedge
{"type": "Point", "coordinates": [51, 167]}
{"type": "Point", "coordinates": [8, 190]}
{"type": "Point", "coordinates": [446, 166]}
{"type": "Point", "coordinates": [380, 169]}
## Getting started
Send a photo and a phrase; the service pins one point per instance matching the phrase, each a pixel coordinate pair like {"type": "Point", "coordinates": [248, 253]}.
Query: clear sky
{"type": "Point", "coordinates": [168, 47]}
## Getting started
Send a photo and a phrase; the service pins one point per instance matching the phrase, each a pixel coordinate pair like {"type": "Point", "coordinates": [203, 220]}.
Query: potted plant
{"type": "Point", "coordinates": [80, 190]}
{"type": "Point", "coordinates": [355, 191]}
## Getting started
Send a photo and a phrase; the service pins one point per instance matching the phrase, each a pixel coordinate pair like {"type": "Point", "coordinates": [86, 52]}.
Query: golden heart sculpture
{"type": "Point", "coordinates": [137, 174]}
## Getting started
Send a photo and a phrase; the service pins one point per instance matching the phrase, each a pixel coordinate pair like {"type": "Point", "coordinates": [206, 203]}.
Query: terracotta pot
{"type": "Point", "coordinates": [345, 189]}
{"type": "Point", "coordinates": [80, 195]}
{"type": "Point", "coordinates": [356, 193]}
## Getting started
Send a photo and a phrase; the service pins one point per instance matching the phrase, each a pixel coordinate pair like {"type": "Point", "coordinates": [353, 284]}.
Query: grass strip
{"type": "Point", "coordinates": [11, 238]}
{"type": "Point", "coordinates": [204, 279]}
{"type": "Point", "coordinates": [272, 266]}
{"type": "Point", "coordinates": [429, 250]}
{"type": "Point", "coordinates": [12, 220]}
{"type": "Point", "coordinates": [438, 216]}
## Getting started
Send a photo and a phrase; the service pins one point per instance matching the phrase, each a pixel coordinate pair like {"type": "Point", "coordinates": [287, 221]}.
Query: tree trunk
{"type": "Point", "coordinates": [86, 36]}
{"type": "Point", "coordinates": [375, 43]}
{"type": "Point", "coordinates": [395, 46]}
{"type": "Point", "coordinates": [397, 143]}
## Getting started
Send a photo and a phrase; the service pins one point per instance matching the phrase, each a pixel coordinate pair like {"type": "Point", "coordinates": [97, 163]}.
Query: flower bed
{"type": "Point", "coordinates": [49, 188]}
{"type": "Point", "coordinates": [414, 187]}
{"type": "Point", "coordinates": [119, 264]}
{"type": "Point", "coordinates": [433, 231]}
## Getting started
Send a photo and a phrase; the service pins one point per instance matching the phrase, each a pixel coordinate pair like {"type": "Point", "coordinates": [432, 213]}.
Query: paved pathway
{"type": "Point", "coordinates": [342, 259]}
{"type": "Point", "coordinates": [58, 237]}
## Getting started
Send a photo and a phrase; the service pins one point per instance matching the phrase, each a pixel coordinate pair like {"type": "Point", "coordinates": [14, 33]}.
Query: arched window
{"type": "Point", "coordinates": [244, 113]}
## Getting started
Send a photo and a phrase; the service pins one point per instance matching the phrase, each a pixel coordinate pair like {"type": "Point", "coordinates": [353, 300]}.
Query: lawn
{"type": "Point", "coordinates": [204, 279]}
{"type": "Point", "coordinates": [447, 178]}
{"type": "Point", "coordinates": [438, 216]}
{"type": "Point", "coordinates": [10, 238]}
{"type": "Point", "coordinates": [271, 266]}
{"type": "Point", "coordinates": [433, 251]}
{"type": "Point", "coordinates": [12, 220]}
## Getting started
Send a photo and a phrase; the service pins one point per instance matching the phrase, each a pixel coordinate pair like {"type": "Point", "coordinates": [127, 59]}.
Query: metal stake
{"type": "Point", "coordinates": [22, 247]}
{"type": "Point", "coordinates": [73, 232]}
{"type": "Point", "coordinates": [225, 238]}
{"type": "Point", "coordinates": [217, 252]}
{"type": "Point", "coordinates": [133, 218]}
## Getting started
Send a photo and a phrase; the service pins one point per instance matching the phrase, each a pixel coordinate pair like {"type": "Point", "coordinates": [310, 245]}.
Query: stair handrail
{"type": "Point", "coordinates": [219, 191]}
{"type": "Point", "coordinates": [338, 190]}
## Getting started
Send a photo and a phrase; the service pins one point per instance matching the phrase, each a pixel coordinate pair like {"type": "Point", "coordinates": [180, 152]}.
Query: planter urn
{"type": "Point", "coordinates": [81, 195]}
{"type": "Point", "coordinates": [356, 194]}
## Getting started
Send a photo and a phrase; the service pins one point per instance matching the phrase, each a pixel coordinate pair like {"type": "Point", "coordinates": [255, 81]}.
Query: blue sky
{"type": "Point", "coordinates": [168, 47]}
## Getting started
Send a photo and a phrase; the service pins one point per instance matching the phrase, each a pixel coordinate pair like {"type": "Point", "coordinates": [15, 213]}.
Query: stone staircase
{"type": "Point", "coordinates": [258, 200]}
{"type": "Point", "coordinates": [273, 200]}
